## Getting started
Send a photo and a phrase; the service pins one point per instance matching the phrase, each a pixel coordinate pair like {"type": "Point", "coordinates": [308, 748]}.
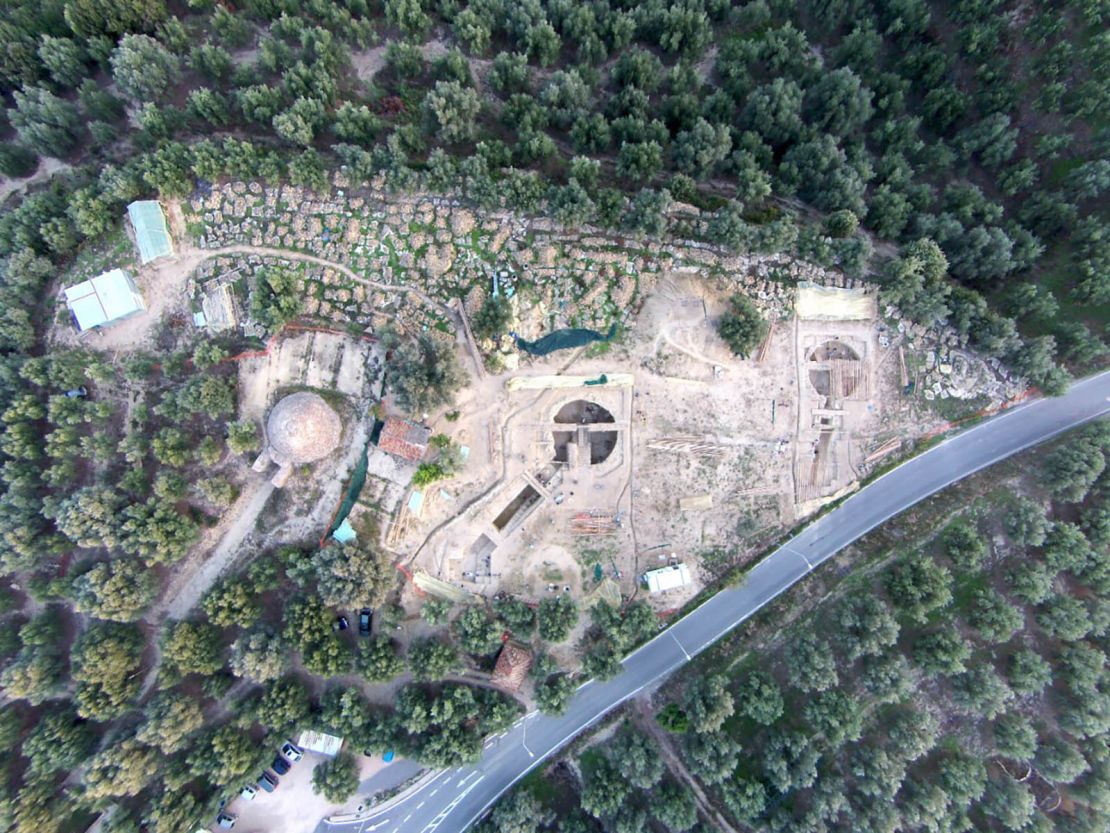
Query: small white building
{"type": "Point", "coordinates": [320, 742]}
{"type": "Point", "coordinates": [668, 578]}
{"type": "Point", "coordinates": [104, 300]}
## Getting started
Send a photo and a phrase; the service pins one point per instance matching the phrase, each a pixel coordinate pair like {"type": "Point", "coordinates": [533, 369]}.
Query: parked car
{"type": "Point", "coordinates": [365, 619]}
{"type": "Point", "coordinates": [280, 765]}
{"type": "Point", "coordinates": [249, 792]}
{"type": "Point", "coordinates": [341, 623]}
{"type": "Point", "coordinates": [268, 782]}
{"type": "Point", "coordinates": [225, 820]}
{"type": "Point", "coordinates": [291, 752]}
{"type": "Point", "coordinates": [78, 393]}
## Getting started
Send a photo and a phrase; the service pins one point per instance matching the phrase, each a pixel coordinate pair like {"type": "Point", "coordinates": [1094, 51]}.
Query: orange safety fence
{"type": "Point", "coordinates": [273, 340]}
{"type": "Point", "coordinates": [982, 412]}
{"type": "Point", "coordinates": [407, 573]}
{"type": "Point", "coordinates": [331, 520]}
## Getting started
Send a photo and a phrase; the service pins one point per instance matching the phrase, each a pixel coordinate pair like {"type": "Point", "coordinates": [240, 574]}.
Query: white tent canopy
{"type": "Point", "coordinates": [668, 578]}
{"type": "Point", "coordinates": [104, 299]}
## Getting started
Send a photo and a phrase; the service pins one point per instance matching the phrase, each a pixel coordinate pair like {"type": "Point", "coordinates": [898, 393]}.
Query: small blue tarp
{"type": "Point", "coordinates": [344, 533]}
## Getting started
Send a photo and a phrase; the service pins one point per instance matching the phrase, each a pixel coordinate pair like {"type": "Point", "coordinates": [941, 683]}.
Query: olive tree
{"type": "Point", "coordinates": [143, 68]}
{"type": "Point", "coordinates": [337, 779]}
{"type": "Point", "coordinates": [352, 575]}
{"type": "Point", "coordinates": [118, 590]}
{"type": "Point", "coordinates": [709, 703]}
{"type": "Point", "coordinates": [451, 111]}
{"type": "Point", "coordinates": [423, 374]}
{"type": "Point", "coordinates": [742, 326]}
{"type": "Point", "coordinates": [170, 718]}
{"type": "Point", "coordinates": [45, 121]}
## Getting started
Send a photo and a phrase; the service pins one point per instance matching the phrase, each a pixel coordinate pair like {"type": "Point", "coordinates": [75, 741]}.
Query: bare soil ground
{"type": "Point", "coordinates": [701, 459]}
{"type": "Point", "coordinates": [48, 166]}
{"type": "Point", "coordinates": [713, 454]}
{"type": "Point", "coordinates": [369, 62]}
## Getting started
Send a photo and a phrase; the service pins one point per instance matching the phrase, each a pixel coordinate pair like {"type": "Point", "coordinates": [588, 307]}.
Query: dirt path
{"type": "Point", "coordinates": [48, 166]}
{"type": "Point", "coordinates": [194, 578]}
{"type": "Point", "coordinates": [677, 323]}
{"type": "Point", "coordinates": [645, 719]}
{"type": "Point", "coordinates": [163, 288]}
{"type": "Point", "coordinates": [265, 251]}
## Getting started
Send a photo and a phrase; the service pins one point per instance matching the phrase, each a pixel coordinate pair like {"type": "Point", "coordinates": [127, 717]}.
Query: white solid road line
{"type": "Point", "coordinates": [802, 556]}
{"type": "Point", "coordinates": [679, 644]}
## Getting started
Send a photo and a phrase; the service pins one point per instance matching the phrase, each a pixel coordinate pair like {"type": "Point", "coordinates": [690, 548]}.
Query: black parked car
{"type": "Point", "coordinates": [365, 619]}
{"type": "Point", "coordinates": [341, 623]}
{"type": "Point", "coordinates": [280, 765]}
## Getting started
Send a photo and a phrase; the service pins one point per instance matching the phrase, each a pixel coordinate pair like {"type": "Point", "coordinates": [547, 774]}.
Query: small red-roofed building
{"type": "Point", "coordinates": [404, 439]}
{"type": "Point", "coordinates": [513, 664]}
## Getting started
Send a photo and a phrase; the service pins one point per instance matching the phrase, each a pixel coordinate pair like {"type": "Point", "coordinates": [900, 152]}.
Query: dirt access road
{"type": "Point", "coordinates": [163, 288]}
{"type": "Point", "coordinates": [199, 573]}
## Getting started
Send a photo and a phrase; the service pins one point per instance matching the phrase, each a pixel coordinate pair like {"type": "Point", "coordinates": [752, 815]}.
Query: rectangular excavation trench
{"type": "Point", "coordinates": [525, 500]}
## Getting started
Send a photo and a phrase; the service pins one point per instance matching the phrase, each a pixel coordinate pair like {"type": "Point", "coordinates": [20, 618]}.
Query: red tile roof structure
{"type": "Point", "coordinates": [513, 664]}
{"type": "Point", "coordinates": [404, 439]}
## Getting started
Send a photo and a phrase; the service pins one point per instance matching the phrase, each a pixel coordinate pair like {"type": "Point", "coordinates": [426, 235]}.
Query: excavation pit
{"type": "Point", "coordinates": [583, 412]}
{"type": "Point", "coordinates": [517, 509]}
{"type": "Point", "coordinates": [836, 375]}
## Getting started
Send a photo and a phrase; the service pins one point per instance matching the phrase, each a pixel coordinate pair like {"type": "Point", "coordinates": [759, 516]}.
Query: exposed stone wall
{"type": "Point", "coordinates": [557, 276]}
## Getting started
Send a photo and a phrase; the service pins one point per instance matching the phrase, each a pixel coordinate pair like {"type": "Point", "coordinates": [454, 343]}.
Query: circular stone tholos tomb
{"type": "Point", "coordinates": [302, 428]}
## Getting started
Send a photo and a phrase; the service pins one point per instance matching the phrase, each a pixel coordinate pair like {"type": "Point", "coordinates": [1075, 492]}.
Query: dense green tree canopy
{"type": "Point", "coordinates": [423, 374]}
{"type": "Point", "coordinates": [742, 326]}
{"type": "Point", "coordinates": [118, 590]}
{"type": "Point", "coordinates": [144, 69]}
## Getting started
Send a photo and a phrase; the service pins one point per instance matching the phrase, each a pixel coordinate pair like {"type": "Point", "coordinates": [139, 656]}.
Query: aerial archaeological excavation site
{"type": "Point", "coordinates": [539, 416]}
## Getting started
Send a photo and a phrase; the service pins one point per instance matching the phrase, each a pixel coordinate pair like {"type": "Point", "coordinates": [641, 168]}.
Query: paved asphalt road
{"type": "Point", "coordinates": [456, 798]}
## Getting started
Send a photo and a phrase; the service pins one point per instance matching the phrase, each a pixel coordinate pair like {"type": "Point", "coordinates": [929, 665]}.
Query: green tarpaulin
{"type": "Point", "coordinates": [358, 480]}
{"type": "Point", "coordinates": [563, 340]}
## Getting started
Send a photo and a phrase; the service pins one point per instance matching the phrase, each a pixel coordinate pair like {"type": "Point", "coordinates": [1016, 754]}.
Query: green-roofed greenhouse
{"type": "Point", "coordinates": [151, 233]}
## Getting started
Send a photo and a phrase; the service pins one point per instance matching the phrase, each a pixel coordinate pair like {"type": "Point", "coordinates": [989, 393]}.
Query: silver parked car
{"type": "Point", "coordinates": [291, 752]}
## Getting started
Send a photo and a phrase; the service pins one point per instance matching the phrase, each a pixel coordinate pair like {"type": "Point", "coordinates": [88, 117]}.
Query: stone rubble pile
{"type": "Point", "coordinates": [949, 369]}
{"type": "Point", "coordinates": [555, 276]}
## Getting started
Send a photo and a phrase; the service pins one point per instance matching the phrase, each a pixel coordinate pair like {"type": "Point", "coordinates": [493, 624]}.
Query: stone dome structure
{"type": "Point", "coordinates": [302, 428]}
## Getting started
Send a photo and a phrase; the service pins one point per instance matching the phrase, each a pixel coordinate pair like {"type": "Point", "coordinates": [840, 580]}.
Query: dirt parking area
{"type": "Point", "coordinates": [294, 808]}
